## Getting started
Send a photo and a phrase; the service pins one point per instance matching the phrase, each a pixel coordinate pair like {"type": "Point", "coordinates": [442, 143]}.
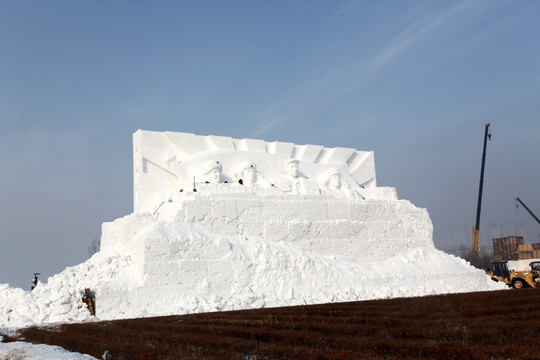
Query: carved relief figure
{"type": "Point", "coordinates": [332, 178]}
{"type": "Point", "coordinates": [291, 168]}
{"type": "Point", "coordinates": [288, 181]}
{"type": "Point", "coordinates": [293, 181]}
{"type": "Point", "coordinates": [332, 183]}
{"type": "Point", "coordinates": [247, 173]}
{"type": "Point", "coordinates": [210, 171]}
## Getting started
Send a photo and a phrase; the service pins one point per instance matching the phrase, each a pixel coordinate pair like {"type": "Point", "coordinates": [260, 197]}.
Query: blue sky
{"type": "Point", "coordinates": [414, 81]}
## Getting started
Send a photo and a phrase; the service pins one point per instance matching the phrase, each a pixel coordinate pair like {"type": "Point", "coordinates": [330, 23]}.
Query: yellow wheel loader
{"type": "Point", "coordinates": [516, 279]}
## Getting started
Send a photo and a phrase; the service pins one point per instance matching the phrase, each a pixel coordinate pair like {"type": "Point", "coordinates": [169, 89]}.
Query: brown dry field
{"type": "Point", "coordinates": [483, 325]}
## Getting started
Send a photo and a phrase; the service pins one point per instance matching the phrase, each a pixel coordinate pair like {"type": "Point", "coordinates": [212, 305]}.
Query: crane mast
{"type": "Point", "coordinates": [476, 228]}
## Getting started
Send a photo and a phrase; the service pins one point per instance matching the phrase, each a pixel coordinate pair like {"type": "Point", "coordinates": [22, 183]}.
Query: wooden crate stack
{"type": "Point", "coordinates": [529, 251]}
{"type": "Point", "coordinates": [507, 248]}
{"type": "Point", "coordinates": [514, 248]}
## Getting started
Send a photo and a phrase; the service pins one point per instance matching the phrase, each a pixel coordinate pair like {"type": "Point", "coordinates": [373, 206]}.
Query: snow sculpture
{"type": "Point", "coordinates": [324, 200]}
{"type": "Point", "coordinates": [210, 171]}
{"type": "Point", "coordinates": [289, 181]}
{"type": "Point", "coordinates": [167, 162]}
{"type": "Point", "coordinates": [247, 173]}
{"type": "Point", "coordinates": [306, 224]}
{"type": "Point", "coordinates": [332, 179]}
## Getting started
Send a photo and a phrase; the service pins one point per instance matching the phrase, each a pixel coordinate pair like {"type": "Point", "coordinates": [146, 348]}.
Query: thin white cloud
{"type": "Point", "coordinates": [271, 121]}
{"type": "Point", "coordinates": [414, 34]}
{"type": "Point", "coordinates": [340, 81]}
{"type": "Point", "coordinates": [360, 73]}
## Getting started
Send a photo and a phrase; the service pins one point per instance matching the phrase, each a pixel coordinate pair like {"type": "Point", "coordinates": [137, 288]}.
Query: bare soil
{"type": "Point", "coordinates": [483, 325]}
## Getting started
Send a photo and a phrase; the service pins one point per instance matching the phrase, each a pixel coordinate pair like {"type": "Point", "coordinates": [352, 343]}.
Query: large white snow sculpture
{"type": "Point", "coordinates": [222, 223]}
{"type": "Point", "coordinates": [324, 200]}
{"type": "Point", "coordinates": [231, 220]}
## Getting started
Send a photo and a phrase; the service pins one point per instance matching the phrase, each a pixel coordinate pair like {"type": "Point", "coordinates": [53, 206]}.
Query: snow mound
{"type": "Point", "coordinates": [22, 350]}
{"type": "Point", "coordinates": [215, 273]}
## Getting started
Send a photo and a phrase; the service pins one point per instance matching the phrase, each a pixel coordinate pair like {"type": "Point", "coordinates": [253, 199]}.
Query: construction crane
{"type": "Point", "coordinates": [476, 228]}
{"type": "Point", "coordinates": [526, 208]}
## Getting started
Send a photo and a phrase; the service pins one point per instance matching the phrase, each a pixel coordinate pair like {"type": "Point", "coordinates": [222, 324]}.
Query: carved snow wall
{"type": "Point", "coordinates": [324, 200]}
{"type": "Point", "coordinates": [168, 163]}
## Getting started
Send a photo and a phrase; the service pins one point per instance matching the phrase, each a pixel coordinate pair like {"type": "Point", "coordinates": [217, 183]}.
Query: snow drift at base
{"type": "Point", "coordinates": [241, 274]}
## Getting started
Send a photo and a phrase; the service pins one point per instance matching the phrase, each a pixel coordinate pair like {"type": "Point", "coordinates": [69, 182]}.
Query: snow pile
{"type": "Point", "coordinates": [215, 272]}
{"type": "Point", "coordinates": [521, 265]}
{"type": "Point", "coordinates": [22, 350]}
{"type": "Point", "coordinates": [59, 300]}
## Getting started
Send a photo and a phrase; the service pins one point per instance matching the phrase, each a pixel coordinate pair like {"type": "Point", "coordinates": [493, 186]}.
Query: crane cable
{"type": "Point", "coordinates": [494, 171]}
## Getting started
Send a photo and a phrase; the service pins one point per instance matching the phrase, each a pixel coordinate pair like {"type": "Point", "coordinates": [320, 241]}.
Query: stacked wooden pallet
{"type": "Point", "coordinates": [507, 248]}
{"type": "Point", "coordinates": [529, 251]}
{"type": "Point", "coordinates": [514, 248]}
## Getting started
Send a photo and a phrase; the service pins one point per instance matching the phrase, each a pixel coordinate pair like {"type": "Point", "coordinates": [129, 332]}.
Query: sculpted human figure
{"type": "Point", "coordinates": [289, 180]}
{"type": "Point", "coordinates": [291, 168]}
{"type": "Point", "coordinates": [293, 181]}
{"type": "Point", "coordinates": [332, 183]}
{"type": "Point", "coordinates": [332, 178]}
{"type": "Point", "coordinates": [210, 171]}
{"type": "Point", "coordinates": [247, 173]}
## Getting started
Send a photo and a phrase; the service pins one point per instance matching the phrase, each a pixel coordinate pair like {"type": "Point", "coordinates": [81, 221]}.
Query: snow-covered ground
{"type": "Point", "coordinates": [26, 351]}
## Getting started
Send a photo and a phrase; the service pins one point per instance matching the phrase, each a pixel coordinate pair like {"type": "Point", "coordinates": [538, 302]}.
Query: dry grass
{"type": "Point", "coordinates": [483, 325]}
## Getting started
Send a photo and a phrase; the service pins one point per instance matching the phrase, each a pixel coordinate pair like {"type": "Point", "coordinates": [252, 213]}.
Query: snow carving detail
{"type": "Point", "coordinates": [169, 163]}
{"type": "Point", "coordinates": [210, 171]}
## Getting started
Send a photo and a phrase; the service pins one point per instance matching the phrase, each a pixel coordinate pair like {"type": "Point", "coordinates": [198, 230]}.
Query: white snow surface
{"type": "Point", "coordinates": [178, 267]}
{"type": "Point", "coordinates": [521, 265]}
{"type": "Point", "coordinates": [25, 351]}
{"type": "Point", "coordinates": [259, 273]}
